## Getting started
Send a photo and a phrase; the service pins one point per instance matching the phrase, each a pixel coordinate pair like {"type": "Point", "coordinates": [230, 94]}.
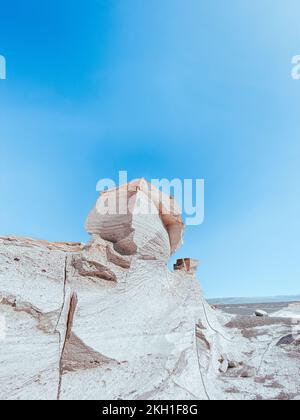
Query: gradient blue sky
{"type": "Point", "coordinates": [161, 88]}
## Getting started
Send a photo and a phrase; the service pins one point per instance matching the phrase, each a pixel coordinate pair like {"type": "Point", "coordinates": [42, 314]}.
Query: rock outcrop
{"type": "Point", "coordinates": [108, 320]}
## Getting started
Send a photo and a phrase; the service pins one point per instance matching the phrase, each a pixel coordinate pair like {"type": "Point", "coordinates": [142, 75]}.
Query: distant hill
{"type": "Point", "coordinates": [245, 300]}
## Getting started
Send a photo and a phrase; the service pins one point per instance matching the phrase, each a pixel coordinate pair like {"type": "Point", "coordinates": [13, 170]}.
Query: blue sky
{"type": "Point", "coordinates": [160, 88]}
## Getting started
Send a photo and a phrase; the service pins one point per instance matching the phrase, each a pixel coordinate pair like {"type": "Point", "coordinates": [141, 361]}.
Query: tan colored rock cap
{"type": "Point", "coordinates": [113, 216]}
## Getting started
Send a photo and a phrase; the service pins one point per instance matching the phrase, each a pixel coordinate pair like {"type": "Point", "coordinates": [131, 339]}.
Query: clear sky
{"type": "Point", "coordinates": [160, 88]}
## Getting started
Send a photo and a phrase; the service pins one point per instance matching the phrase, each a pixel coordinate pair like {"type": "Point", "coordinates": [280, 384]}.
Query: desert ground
{"type": "Point", "coordinates": [270, 347]}
{"type": "Point", "coordinates": [250, 308]}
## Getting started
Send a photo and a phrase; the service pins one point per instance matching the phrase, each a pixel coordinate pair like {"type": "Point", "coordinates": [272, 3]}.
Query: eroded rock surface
{"type": "Point", "coordinates": [108, 320]}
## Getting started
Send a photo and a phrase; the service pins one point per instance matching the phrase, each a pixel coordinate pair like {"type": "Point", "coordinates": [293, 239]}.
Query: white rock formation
{"type": "Point", "coordinates": [132, 215]}
{"type": "Point", "coordinates": [108, 320]}
{"type": "Point", "coordinates": [291, 311]}
{"type": "Point", "coordinates": [32, 296]}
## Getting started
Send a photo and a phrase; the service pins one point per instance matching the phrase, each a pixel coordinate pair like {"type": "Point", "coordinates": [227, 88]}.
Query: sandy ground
{"type": "Point", "coordinates": [269, 351]}
{"type": "Point", "coordinates": [249, 309]}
